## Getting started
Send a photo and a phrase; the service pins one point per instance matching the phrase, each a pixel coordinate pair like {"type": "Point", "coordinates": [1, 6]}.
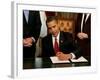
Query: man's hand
{"type": "Point", "coordinates": [82, 35]}
{"type": "Point", "coordinates": [27, 42]}
{"type": "Point", "coordinates": [62, 56]}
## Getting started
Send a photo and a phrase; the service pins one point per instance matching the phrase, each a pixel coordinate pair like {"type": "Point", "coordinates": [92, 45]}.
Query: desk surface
{"type": "Point", "coordinates": [46, 63]}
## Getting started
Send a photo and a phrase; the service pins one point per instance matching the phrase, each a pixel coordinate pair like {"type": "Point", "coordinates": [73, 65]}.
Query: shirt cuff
{"type": "Point", "coordinates": [73, 55]}
{"type": "Point", "coordinates": [33, 39]}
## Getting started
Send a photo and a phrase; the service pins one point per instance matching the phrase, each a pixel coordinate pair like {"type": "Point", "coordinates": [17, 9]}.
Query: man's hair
{"type": "Point", "coordinates": [51, 18]}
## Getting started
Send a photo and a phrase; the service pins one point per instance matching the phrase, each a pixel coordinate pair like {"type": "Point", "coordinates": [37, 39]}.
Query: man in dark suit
{"type": "Point", "coordinates": [31, 32]}
{"type": "Point", "coordinates": [58, 43]}
{"type": "Point", "coordinates": [83, 33]}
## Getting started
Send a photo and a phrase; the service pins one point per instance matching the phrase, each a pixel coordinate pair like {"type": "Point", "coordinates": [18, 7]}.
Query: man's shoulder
{"type": "Point", "coordinates": [66, 33]}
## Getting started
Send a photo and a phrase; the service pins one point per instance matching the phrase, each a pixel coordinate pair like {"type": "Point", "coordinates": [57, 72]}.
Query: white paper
{"type": "Point", "coordinates": [56, 60]}
{"type": "Point", "coordinates": [81, 59]}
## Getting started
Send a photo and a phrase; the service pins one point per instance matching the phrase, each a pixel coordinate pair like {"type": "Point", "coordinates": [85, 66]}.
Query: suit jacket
{"type": "Point", "coordinates": [31, 29]}
{"type": "Point", "coordinates": [86, 25]}
{"type": "Point", "coordinates": [85, 43]}
{"type": "Point", "coordinates": [33, 26]}
{"type": "Point", "coordinates": [66, 45]}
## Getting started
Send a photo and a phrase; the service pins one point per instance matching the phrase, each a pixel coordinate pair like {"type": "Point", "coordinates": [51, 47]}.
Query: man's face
{"type": "Point", "coordinates": [53, 28]}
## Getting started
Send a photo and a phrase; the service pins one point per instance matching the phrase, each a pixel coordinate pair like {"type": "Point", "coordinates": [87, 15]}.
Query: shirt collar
{"type": "Point", "coordinates": [57, 36]}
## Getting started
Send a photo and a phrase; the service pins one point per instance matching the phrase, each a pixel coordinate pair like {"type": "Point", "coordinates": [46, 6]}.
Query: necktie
{"type": "Point", "coordinates": [56, 47]}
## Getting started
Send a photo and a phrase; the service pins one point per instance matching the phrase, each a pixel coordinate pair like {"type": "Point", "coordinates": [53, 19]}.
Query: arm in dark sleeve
{"type": "Point", "coordinates": [76, 50]}
{"type": "Point", "coordinates": [73, 47]}
{"type": "Point", "coordinates": [36, 24]}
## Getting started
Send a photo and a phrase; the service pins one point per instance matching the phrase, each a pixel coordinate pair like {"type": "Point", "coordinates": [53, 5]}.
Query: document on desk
{"type": "Point", "coordinates": [56, 60]}
{"type": "Point", "coordinates": [80, 59]}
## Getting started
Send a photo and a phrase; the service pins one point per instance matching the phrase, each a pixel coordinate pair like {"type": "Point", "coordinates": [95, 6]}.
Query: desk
{"type": "Point", "coordinates": [46, 63]}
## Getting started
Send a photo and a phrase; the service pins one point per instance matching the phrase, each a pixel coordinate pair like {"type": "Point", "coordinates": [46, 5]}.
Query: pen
{"type": "Point", "coordinates": [70, 60]}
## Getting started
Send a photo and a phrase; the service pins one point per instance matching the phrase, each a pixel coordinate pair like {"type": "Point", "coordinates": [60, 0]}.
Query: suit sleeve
{"type": "Point", "coordinates": [75, 48]}
{"type": "Point", "coordinates": [36, 24]}
{"type": "Point", "coordinates": [72, 46]}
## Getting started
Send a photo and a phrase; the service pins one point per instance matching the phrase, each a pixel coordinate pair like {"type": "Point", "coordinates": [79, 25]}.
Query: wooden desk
{"type": "Point", "coordinates": [46, 63]}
